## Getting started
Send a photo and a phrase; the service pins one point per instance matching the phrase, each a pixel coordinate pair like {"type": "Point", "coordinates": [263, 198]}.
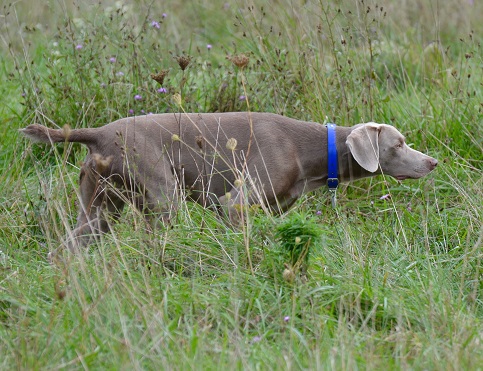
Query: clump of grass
{"type": "Point", "coordinates": [297, 234]}
{"type": "Point", "coordinates": [395, 282]}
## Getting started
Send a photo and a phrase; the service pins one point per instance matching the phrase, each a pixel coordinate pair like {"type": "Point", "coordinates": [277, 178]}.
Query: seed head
{"type": "Point", "coordinates": [199, 141]}
{"type": "Point", "coordinates": [66, 131]}
{"type": "Point", "coordinates": [231, 144]}
{"type": "Point", "coordinates": [183, 61]}
{"type": "Point", "coordinates": [175, 138]}
{"type": "Point", "coordinates": [238, 183]}
{"type": "Point", "coordinates": [177, 99]}
{"type": "Point", "coordinates": [239, 60]}
{"type": "Point", "coordinates": [288, 275]}
{"type": "Point", "coordinates": [159, 77]}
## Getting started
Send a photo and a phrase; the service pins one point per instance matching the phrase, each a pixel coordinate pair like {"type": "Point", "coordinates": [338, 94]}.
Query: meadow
{"type": "Point", "coordinates": [391, 279]}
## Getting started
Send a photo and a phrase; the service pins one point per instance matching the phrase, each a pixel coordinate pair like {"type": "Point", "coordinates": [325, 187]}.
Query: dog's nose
{"type": "Point", "coordinates": [433, 163]}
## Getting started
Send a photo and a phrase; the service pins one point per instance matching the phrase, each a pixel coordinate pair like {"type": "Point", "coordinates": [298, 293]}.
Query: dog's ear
{"type": "Point", "coordinates": [364, 145]}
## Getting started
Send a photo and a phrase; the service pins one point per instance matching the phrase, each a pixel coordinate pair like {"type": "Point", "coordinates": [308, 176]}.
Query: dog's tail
{"type": "Point", "coordinates": [39, 133]}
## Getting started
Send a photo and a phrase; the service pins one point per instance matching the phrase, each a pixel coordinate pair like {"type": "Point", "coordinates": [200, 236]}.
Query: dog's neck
{"type": "Point", "coordinates": [316, 163]}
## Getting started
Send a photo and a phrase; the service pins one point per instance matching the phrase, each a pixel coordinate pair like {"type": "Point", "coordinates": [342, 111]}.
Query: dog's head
{"type": "Point", "coordinates": [382, 148]}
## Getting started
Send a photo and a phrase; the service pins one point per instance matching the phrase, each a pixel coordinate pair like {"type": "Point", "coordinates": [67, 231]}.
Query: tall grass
{"type": "Point", "coordinates": [394, 281]}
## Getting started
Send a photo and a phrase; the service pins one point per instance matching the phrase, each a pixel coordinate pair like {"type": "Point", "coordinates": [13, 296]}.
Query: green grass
{"type": "Point", "coordinates": [392, 283]}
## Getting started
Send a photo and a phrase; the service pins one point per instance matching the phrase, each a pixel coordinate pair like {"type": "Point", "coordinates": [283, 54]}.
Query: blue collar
{"type": "Point", "coordinates": [333, 164]}
{"type": "Point", "coordinates": [332, 161]}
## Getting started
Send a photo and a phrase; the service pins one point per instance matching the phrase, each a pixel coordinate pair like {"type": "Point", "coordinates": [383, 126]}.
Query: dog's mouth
{"type": "Point", "coordinates": [403, 177]}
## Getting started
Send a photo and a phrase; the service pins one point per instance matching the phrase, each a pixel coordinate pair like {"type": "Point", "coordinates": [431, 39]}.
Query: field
{"type": "Point", "coordinates": [393, 275]}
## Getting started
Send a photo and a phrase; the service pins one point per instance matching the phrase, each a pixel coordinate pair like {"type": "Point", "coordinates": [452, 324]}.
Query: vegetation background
{"type": "Point", "coordinates": [393, 278]}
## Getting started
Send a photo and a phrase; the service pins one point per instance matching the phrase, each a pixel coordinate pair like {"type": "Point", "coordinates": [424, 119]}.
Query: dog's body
{"type": "Point", "coordinates": [215, 156]}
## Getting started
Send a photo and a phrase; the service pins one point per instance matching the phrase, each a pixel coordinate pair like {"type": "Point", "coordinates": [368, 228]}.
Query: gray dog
{"type": "Point", "coordinates": [222, 159]}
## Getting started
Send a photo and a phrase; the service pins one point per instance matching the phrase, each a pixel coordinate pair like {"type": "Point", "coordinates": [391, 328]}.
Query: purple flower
{"type": "Point", "coordinates": [209, 46]}
{"type": "Point", "coordinates": [131, 112]}
{"type": "Point", "coordinates": [162, 90]}
{"type": "Point", "coordinates": [143, 111]}
{"type": "Point", "coordinates": [256, 339]}
{"type": "Point", "coordinates": [164, 15]}
{"type": "Point", "coordinates": [318, 212]}
{"type": "Point", "coordinates": [286, 319]}
{"type": "Point", "coordinates": [242, 97]}
{"type": "Point", "coordinates": [155, 25]}
{"type": "Point", "coordinates": [385, 197]}
{"type": "Point", "coordinates": [138, 97]}
{"type": "Point", "coordinates": [112, 59]}
{"type": "Point", "coordinates": [79, 46]}
{"type": "Point", "coordinates": [24, 94]}
{"type": "Point", "coordinates": [120, 74]}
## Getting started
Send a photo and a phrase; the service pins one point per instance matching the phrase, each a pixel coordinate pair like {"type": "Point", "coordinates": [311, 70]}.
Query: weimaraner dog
{"type": "Point", "coordinates": [223, 160]}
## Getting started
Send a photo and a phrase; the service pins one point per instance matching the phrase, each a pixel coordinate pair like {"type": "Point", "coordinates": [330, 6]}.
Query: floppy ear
{"type": "Point", "coordinates": [364, 146]}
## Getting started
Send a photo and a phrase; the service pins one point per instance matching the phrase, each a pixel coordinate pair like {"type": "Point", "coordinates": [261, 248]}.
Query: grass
{"type": "Point", "coordinates": [390, 283]}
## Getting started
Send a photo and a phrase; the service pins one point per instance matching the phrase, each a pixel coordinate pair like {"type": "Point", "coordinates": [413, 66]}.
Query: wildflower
{"type": "Point", "coordinates": [120, 74]}
{"type": "Point", "coordinates": [318, 212]}
{"type": "Point", "coordinates": [143, 111]}
{"type": "Point", "coordinates": [242, 97]}
{"type": "Point", "coordinates": [164, 15]}
{"type": "Point", "coordinates": [155, 25]}
{"type": "Point", "coordinates": [138, 97]}
{"type": "Point", "coordinates": [385, 197]}
{"type": "Point", "coordinates": [112, 60]}
{"type": "Point", "coordinates": [256, 339]}
{"type": "Point", "coordinates": [209, 46]}
{"type": "Point", "coordinates": [79, 46]}
{"type": "Point", "coordinates": [162, 90]}
{"type": "Point", "coordinates": [131, 112]}
{"type": "Point", "coordinates": [24, 94]}
{"type": "Point", "coordinates": [286, 319]}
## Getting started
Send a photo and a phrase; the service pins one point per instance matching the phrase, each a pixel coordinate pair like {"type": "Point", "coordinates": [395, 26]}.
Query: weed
{"type": "Point", "coordinates": [391, 282]}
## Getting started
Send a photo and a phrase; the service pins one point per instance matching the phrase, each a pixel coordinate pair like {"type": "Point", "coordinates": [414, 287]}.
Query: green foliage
{"type": "Point", "coordinates": [297, 233]}
{"type": "Point", "coordinates": [394, 280]}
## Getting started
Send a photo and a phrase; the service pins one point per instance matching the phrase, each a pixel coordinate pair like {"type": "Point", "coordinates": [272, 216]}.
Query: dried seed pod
{"type": "Point", "coordinates": [288, 275]}
{"type": "Point", "coordinates": [177, 99]}
{"type": "Point", "coordinates": [159, 77]}
{"type": "Point", "coordinates": [239, 60]}
{"type": "Point", "coordinates": [231, 144]}
{"type": "Point", "coordinates": [183, 61]}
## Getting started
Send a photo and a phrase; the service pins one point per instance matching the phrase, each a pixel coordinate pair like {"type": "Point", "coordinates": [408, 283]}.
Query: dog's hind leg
{"type": "Point", "coordinates": [98, 202]}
